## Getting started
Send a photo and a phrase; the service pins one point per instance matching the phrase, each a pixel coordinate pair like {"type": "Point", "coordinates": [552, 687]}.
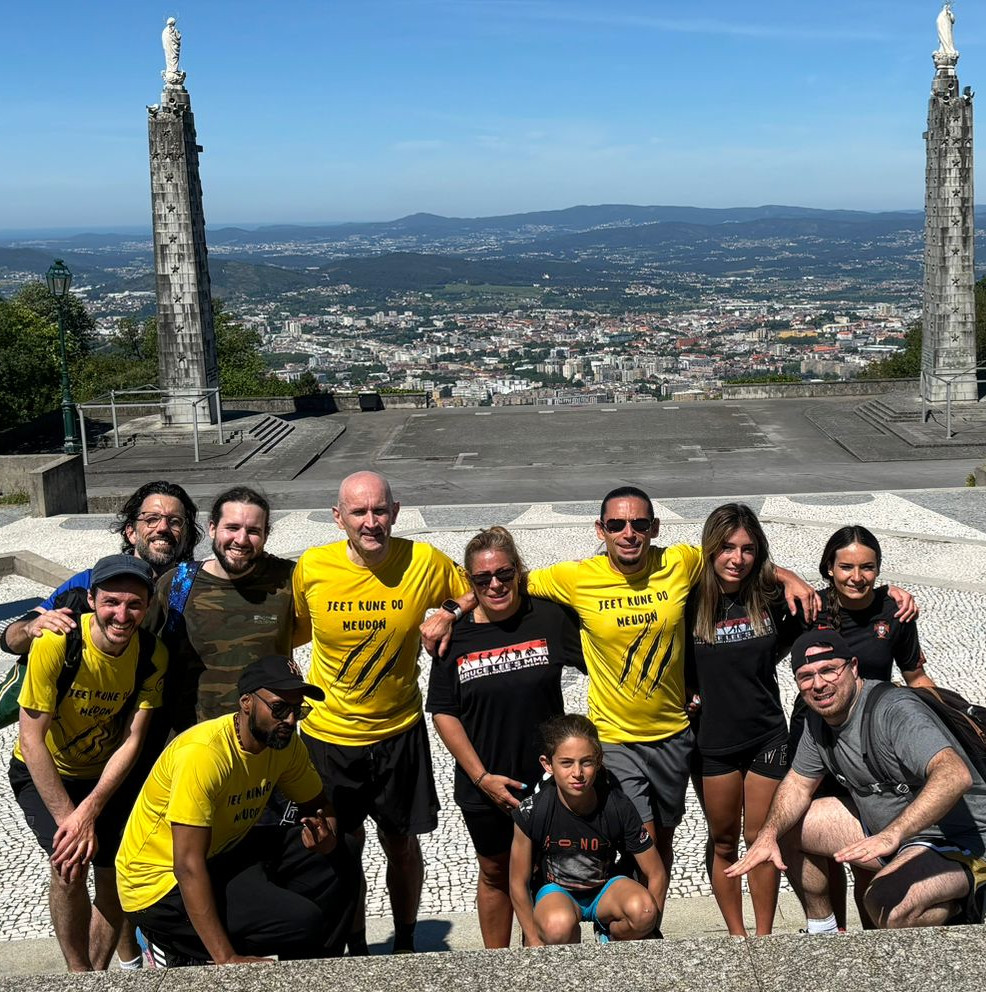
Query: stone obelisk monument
{"type": "Point", "coordinates": [948, 343]}
{"type": "Point", "coordinates": [187, 362]}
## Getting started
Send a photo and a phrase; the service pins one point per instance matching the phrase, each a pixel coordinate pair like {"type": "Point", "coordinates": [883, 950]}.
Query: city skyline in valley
{"type": "Point", "coordinates": [343, 112]}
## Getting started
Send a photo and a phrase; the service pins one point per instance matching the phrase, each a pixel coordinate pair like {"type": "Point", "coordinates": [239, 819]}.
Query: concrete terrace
{"type": "Point", "coordinates": [934, 542]}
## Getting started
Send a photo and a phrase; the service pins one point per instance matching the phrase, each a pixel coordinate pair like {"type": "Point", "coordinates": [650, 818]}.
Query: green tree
{"type": "Point", "coordinates": [980, 289]}
{"type": "Point", "coordinates": [307, 385]}
{"type": "Point", "coordinates": [905, 364]}
{"type": "Point", "coordinates": [80, 325]}
{"type": "Point", "coordinates": [29, 364]}
{"type": "Point", "coordinates": [136, 339]}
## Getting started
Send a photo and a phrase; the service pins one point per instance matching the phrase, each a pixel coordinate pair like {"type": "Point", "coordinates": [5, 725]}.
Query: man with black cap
{"type": "Point", "coordinates": [199, 877]}
{"type": "Point", "coordinates": [85, 709]}
{"type": "Point", "coordinates": [921, 828]}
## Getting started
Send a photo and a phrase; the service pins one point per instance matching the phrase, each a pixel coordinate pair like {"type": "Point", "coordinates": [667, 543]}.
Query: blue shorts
{"type": "Point", "coordinates": [587, 902]}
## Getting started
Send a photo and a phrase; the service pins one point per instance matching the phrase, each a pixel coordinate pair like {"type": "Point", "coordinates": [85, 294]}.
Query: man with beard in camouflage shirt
{"type": "Point", "coordinates": [239, 608]}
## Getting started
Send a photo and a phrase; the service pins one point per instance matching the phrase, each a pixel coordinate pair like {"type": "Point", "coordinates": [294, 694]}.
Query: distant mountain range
{"type": "Point", "coordinates": [570, 246]}
{"type": "Point", "coordinates": [535, 225]}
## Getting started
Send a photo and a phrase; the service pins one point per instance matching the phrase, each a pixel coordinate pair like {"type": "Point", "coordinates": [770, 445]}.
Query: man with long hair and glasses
{"type": "Point", "coordinates": [156, 524]}
{"type": "Point", "coordinates": [920, 825]}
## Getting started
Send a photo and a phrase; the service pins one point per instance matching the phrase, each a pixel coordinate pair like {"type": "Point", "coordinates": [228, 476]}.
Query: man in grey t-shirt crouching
{"type": "Point", "coordinates": [922, 831]}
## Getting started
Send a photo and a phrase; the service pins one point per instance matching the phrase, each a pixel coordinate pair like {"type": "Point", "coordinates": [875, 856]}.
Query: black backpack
{"type": "Point", "coordinates": [964, 720]}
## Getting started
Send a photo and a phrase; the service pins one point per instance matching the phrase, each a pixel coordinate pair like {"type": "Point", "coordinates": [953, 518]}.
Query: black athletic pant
{"type": "Point", "coordinates": [273, 895]}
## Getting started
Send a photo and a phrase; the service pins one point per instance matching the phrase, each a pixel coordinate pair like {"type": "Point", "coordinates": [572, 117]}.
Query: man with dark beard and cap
{"type": "Point", "coordinates": [198, 874]}
{"type": "Point", "coordinates": [234, 608]}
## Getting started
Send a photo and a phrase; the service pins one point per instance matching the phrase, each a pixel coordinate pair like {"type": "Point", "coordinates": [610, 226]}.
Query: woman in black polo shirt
{"type": "Point", "coordinates": [869, 619]}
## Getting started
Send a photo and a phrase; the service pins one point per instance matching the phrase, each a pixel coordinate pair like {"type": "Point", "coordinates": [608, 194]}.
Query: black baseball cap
{"type": "Point", "coordinates": [117, 566]}
{"type": "Point", "coordinates": [834, 643]}
{"type": "Point", "coordinates": [276, 672]}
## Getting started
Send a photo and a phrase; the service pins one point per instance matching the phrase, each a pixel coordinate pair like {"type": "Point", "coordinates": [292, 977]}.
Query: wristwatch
{"type": "Point", "coordinates": [451, 606]}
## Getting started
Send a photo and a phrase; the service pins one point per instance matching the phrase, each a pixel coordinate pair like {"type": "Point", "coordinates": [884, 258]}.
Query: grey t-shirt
{"type": "Point", "coordinates": [906, 737]}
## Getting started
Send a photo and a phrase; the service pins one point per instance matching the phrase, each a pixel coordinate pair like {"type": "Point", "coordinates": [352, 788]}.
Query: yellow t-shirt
{"type": "Point", "coordinates": [633, 638]}
{"type": "Point", "coordinates": [365, 638]}
{"type": "Point", "coordinates": [203, 779]}
{"type": "Point", "coordinates": [89, 722]}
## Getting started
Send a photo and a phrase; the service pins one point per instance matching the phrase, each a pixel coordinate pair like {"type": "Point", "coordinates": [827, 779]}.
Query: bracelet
{"type": "Point", "coordinates": [480, 779]}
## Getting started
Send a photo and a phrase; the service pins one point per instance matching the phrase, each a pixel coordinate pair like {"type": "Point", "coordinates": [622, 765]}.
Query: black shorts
{"type": "Point", "coordinates": [390, 781]}
{"type": "Point", "coordinates": [492, 831]}
{"type": "Point", "coordinates": [109, 823]}
{"type": "Point", "coordinates": [769, 760]}
{"type": "Point", "coordinates": [272, 895]}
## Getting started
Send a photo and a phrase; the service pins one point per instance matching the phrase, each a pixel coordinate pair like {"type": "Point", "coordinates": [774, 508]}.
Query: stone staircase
{"type": "Point", "coordinates": [269, 433]}
{"type": "Point", "coordinates": [890, 428]}
{"type": "Point", "coordinates": [279, 449]}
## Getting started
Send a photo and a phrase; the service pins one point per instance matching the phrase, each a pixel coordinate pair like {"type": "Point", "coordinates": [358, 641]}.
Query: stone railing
{"type": "Point", "coordinates": [795, 390]}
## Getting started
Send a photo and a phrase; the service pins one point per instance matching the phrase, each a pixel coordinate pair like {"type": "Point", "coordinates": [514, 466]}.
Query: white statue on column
{"type": "Point", "coordinates": [946, 41]}
{"type": "Point", "coordinates": [171, 40]}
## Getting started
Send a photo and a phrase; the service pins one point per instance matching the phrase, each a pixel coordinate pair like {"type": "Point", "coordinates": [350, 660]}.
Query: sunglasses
{"type": "Point", "coordinates": [639, 525]}
{"type": "Point", "coordinates": [482, 580]}
{"type": "Point", "coordinates": [281, 710]}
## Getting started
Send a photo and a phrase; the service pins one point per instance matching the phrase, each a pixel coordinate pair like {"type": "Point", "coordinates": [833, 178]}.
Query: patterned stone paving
{"type": "Point", "coordinates": [934, 539]}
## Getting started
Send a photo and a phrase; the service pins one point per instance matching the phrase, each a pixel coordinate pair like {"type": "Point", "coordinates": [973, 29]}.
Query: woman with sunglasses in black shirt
{"type": "Point", "coordinates": [498, 681]}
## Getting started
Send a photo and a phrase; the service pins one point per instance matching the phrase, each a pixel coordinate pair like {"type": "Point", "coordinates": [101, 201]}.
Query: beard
{"type": "Point", "coordinates": [269, 738]}
{"type": "Point", "coordinates": [238, 567]}
{"type": "Point", "coordinates": [159, 560]}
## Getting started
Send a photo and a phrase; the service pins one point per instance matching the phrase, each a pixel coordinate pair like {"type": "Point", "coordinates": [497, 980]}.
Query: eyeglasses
{"type": "Point", "coordinates": [281, 710]}
{"type": "Point", "coordinates": [640, 525]}
{"type": "Point", "coordinates": [481, 580]}
{"type": "Point", "coordinates": [153, 519]}
{"type": "Point", "coordinates": [825, 674]}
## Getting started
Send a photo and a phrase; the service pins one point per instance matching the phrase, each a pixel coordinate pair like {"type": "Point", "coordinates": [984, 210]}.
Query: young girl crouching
{"type": "Point", "coordinates": [567, 837]}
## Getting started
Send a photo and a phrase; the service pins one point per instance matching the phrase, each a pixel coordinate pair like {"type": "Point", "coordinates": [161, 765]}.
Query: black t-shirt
{"type": "Point", "coordinates": [579, 852]}
{"type": "Point", "coordinates": [502, 681]}
{"type": "Point", "coordinates": [877, 638]}
{"type": "Point", "coordinates": [737, 676]}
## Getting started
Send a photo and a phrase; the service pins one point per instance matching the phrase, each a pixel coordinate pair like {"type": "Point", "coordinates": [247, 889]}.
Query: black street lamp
{"type": "Point", "coordinates": [59, 279]}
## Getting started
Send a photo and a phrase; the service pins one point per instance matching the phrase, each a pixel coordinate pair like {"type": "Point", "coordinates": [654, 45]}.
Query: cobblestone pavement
{"type": "Point", "coordinates": [934, 542]}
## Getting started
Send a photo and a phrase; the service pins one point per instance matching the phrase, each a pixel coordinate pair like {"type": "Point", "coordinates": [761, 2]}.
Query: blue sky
{"type": "Point", "coordinates": [372, 109]}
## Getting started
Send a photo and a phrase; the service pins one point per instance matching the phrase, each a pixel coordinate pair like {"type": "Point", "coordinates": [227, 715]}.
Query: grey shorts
{"type": "Point", "coordinates": [654, 775]}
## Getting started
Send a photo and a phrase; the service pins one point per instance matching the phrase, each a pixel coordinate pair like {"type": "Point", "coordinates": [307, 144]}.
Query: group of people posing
{"type": "Point", "coordinates": [173, 765]}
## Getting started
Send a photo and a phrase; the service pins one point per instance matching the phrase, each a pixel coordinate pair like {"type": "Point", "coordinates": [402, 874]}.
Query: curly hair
{"type": "Point", "coordinates": [127, 517]}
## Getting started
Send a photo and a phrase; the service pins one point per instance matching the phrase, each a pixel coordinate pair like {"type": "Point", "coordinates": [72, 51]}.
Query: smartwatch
{"type": "Point", "coordinates": [451, 606]}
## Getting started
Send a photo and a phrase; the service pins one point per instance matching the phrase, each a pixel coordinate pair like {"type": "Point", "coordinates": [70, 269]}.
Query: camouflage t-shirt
{"type": "Point", "coordinates": [226, 625]}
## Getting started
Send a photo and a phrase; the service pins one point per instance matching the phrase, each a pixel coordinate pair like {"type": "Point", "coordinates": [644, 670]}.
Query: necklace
{"type": "Point", "coordinates": [236, 727]}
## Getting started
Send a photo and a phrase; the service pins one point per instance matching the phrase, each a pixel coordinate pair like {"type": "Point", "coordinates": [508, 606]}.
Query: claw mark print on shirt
{"type": "Point", "coordinates": [362, 683]}
{"type": "Point", "coordinates": [100, 736]}
{"type": "Point", "coordinates": [647, 643]}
